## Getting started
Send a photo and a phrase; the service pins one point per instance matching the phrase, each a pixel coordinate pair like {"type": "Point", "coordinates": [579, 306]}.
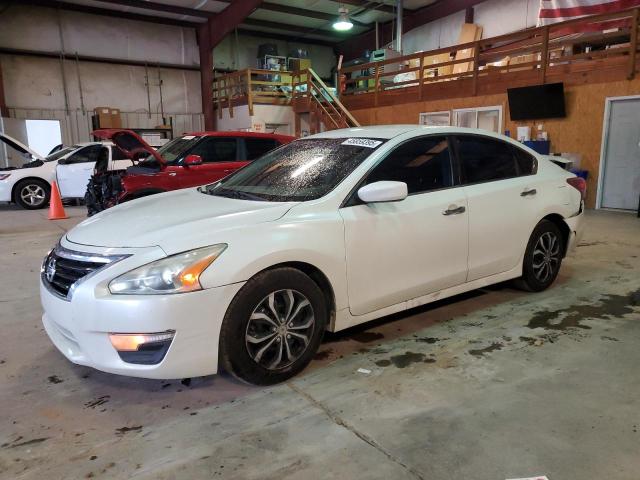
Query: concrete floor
{"type": "Point", "coordinates": [490, 385]}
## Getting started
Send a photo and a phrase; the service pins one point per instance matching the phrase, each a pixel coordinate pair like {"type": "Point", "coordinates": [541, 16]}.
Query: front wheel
{"type": "Point", "coordinates": [273, 327]}
{"type": "Point", "coordinates": [32, 194]}
{"type": "Point", "coordinates": [542, 258]}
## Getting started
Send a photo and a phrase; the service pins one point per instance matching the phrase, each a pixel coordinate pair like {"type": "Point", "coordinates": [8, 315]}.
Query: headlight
{"type": "Point", "coordinates": [175, 274]}
{"type": "Point", "coordinates": [4, 176]}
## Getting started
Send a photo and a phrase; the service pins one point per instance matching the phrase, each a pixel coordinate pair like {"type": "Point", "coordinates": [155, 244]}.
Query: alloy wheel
{"type": "Point", "coordinates": [33, 195]}
{"type": "Point", "coordinates": [280, 329]}
{"type": "Point", "coordinates": [546, 256]}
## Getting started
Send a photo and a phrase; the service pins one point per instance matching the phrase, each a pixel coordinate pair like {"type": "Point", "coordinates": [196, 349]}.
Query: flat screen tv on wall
{"type": "Point", "coordinates": [537, 102]}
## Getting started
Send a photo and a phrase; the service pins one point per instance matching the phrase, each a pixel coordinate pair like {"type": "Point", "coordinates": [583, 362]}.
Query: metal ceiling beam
{"type": "Point", "coordinates": [161, 7]}
{"type": "Point", "coordinates": [292, 28]}
{"type": "Point", "coordinates": [284, 37]}
{"type": "Point", "coordinates": [353, 47]}
{"type": "Point", "coordinates": [369, 5]}
{"type": "Point", "coordinates": [303, 12]}
{"type": "Point", "coordinates": [74, 7]}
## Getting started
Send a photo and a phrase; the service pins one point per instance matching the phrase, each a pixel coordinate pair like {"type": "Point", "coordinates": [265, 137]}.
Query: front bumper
{"type": "Point", "coordinates": [80, 327]}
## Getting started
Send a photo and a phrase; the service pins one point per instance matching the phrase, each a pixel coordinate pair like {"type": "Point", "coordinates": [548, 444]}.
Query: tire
{"type": "Point", "coordinates": [542, 258]}
{"type": "Point", "coordinates": [250, 326]}
{"type": "Point", "coordinates": [32, 193]}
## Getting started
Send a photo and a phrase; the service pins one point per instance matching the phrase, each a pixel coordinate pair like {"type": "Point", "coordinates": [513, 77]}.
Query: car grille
{"type": "Point", "coordinates": [63, 268]}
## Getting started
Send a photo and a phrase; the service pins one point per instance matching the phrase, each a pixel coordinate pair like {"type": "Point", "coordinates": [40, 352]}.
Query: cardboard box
{"type": "Point", "coordinates": [108, 117]}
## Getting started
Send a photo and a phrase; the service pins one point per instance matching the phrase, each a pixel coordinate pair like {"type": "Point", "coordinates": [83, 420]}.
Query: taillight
{"type": "Point", "coordinates": [579, 184]}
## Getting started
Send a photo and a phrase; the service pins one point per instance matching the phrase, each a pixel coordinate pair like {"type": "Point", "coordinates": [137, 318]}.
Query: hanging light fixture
{"type": "Point", "coordinates": [343, 23]}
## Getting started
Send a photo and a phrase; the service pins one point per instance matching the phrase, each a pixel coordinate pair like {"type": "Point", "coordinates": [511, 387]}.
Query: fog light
{"type": "Point", "coordinates": [142, 348]}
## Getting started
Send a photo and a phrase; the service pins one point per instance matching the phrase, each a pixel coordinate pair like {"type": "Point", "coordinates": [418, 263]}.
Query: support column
{"type": "Point", "coordinates": [206, 76]}
{"type": "Point", "coordinates": [4, 111]}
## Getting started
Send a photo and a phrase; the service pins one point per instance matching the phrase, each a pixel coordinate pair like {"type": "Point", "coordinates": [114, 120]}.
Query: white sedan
{"type": "Point", "coordinates": [325, 233]}
{"type": "Point", "coordinates": [29, 185]}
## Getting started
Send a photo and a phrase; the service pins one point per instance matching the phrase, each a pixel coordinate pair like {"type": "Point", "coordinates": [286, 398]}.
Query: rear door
{"type": "Point", "coordinates": [503, 199]}
{"type": "Point", "coordinates": [219, 159]}
{"type": "Point", "coordinates": [73, 172]}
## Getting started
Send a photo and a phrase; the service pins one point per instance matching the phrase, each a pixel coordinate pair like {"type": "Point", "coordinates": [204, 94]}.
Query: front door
{"type": "Point", "coordinates": [219, 159]}
{"type": "Point", "coordinates": [398, 251]}
{"type": "Point", "coordinates": [621, 170]}
{"type": "Point", "coordinates": [504, 198]}
{"type": "Point", "coordinates": [73, 172]}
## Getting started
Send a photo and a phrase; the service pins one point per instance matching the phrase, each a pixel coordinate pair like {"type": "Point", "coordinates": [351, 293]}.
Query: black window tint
{"type": "Point", "coordinates": [117, 154]}
{"type": "Point", "coordinates": [485, 159]}
{"type": "Point", "coordinates": [216, 149]}
{"type": "Point", "coordinates": [423, 164]}
{"type": "Point", "coordinates": [256, 147]}
{"type": "Point", "coordinates": [527, 164]}
{"type": "Point", "coordinates": [86, 154]}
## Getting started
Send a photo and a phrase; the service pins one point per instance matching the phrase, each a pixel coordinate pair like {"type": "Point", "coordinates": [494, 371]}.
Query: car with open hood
{"type": "Point", "coordinates": [29, 184]}
{"type": "Point", "coordinates": [324, 233]}
{"type": "Point", "coordinates": [187, 161]}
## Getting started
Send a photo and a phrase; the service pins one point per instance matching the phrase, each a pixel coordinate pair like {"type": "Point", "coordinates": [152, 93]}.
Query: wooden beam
{"type": "Point", "coordinates": [107, 12]}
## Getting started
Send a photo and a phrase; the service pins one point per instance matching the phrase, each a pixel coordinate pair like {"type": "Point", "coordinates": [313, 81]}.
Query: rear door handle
{"type": "Point", "coordinates": [529, 192]}
{"type": "Point", "coordinates": [454, 210]}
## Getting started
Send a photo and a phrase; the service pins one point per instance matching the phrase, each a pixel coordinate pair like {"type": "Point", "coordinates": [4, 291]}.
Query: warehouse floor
{"type": "Point", "coordinates": [490, 385]}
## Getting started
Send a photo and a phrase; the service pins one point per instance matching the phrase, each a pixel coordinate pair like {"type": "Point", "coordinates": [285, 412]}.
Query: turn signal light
{"type": "Point", "coordinates": [131, 342]}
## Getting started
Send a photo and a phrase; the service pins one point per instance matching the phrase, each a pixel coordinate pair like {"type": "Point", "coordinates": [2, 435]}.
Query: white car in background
{"type": "Point", "coordinates": [324, 233]}
{"type": "Point", "coordinates": [29, 185]}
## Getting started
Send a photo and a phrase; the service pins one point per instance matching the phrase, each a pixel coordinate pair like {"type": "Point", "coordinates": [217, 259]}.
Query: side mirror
{"type": "Point", "coordinates": [192, 160]}
{"type": "Point", "coordinates": [384, 191]}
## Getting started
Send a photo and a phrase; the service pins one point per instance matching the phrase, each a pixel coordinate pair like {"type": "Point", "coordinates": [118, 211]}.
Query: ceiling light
{"type": "Point", "coordinates": [343, 23]}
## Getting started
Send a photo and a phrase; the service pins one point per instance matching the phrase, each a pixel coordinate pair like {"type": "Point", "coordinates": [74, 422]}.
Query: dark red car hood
{"type": "Point", "coordinates": [131, 144]}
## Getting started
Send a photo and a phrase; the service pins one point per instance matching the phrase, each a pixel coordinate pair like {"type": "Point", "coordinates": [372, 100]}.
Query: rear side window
{"type": "Point", "coordinates": [117, 154]}
{"type": "Point", "coordinates": [256, 147]}
{"type": "Point", "coordinates": [527, 163]}
{"type": "Point", "coordinates": [217, 149]}
{"type": "Point", "coordinates": [424, 164]}
{"type": "Point", "coordinates": [485, 159]}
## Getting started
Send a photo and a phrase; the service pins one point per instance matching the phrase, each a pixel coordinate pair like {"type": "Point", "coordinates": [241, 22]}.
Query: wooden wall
{"type": "Point", "coordinates": [580, 132]}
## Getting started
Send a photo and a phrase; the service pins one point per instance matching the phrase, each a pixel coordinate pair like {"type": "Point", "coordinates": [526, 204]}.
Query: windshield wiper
{"type": "Point", "coordinates": [237, 194]}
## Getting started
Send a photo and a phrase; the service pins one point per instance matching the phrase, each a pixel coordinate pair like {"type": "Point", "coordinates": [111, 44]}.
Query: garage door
{"type": "Point", "coordinates": [621, 170]}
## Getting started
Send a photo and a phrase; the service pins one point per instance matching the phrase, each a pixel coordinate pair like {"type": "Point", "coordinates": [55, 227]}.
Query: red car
{"type": "Point", "coordinates": [187, 161]}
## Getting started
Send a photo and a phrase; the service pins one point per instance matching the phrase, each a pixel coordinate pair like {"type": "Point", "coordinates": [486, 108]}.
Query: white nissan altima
{"type": "Point", "coordinates": [327, 232]}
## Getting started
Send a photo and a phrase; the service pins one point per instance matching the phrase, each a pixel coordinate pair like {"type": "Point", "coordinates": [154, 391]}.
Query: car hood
{"type": "Point", "coordinates": [175, 221]}
{"type": "Point", "coordinates": [19, 146]}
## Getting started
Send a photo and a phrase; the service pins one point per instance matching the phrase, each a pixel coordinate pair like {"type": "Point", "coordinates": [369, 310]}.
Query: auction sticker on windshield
{"type": "Point", "coordinates": [362, 142]}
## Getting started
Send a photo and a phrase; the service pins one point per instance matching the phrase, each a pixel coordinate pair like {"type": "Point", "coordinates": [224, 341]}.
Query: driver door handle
{"type": "Point", "coordinates": [529, 192]}
{"type": "Point", "coordinates": [454, 210]}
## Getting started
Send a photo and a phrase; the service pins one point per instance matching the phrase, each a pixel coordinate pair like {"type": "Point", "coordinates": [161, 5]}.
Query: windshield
{"type": "Point", "coordinates": [174, 150]}
{"type": "Point", "coordinates": [299, 171]}
{"type": "Point", "coordinates": [60, 153]}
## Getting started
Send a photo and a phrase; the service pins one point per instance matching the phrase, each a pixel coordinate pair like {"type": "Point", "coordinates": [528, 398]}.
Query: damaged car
{"type": "Point", "coordinates": [29, 185]}
{"type": "Point", "coordinates": [187, 161]}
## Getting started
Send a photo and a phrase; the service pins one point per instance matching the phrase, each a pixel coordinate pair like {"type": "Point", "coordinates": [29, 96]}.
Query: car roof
{"type": "Point", "coordinates": [240, 134]}
{"type": "Point", "coordinates": [87, 144]}
{"type": "Point", "coordinates": [391, 131]}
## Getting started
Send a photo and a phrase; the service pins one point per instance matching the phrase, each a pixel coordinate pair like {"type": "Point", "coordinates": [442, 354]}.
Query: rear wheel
{"type": "Point", "coordinates": [32, 194]}
{"type": "Point", "coordinates": [273, 327]}
{"type": "Point", "coordinates": [543, 258]}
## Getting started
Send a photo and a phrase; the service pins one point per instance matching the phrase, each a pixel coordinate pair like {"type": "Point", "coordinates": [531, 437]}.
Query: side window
{"type": "Point", "coordinates": [117, 154]}
{"type": "Point", "coordinates": [527, 163]}
{"type": "Point", "coordinates": [86, 154]}
{"type": "Point", "coordinates": [424, 164]}
{"type": "Point", "coordinates": [485, 159]}
{"type": "Point", "coordinates": [256, 147]}
{"type": "Point", "coordinates": [217, 149]}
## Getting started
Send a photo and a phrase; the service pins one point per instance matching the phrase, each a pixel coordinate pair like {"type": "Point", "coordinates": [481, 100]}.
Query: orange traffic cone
{"type": "Point", "coordinates": [56, 210]}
